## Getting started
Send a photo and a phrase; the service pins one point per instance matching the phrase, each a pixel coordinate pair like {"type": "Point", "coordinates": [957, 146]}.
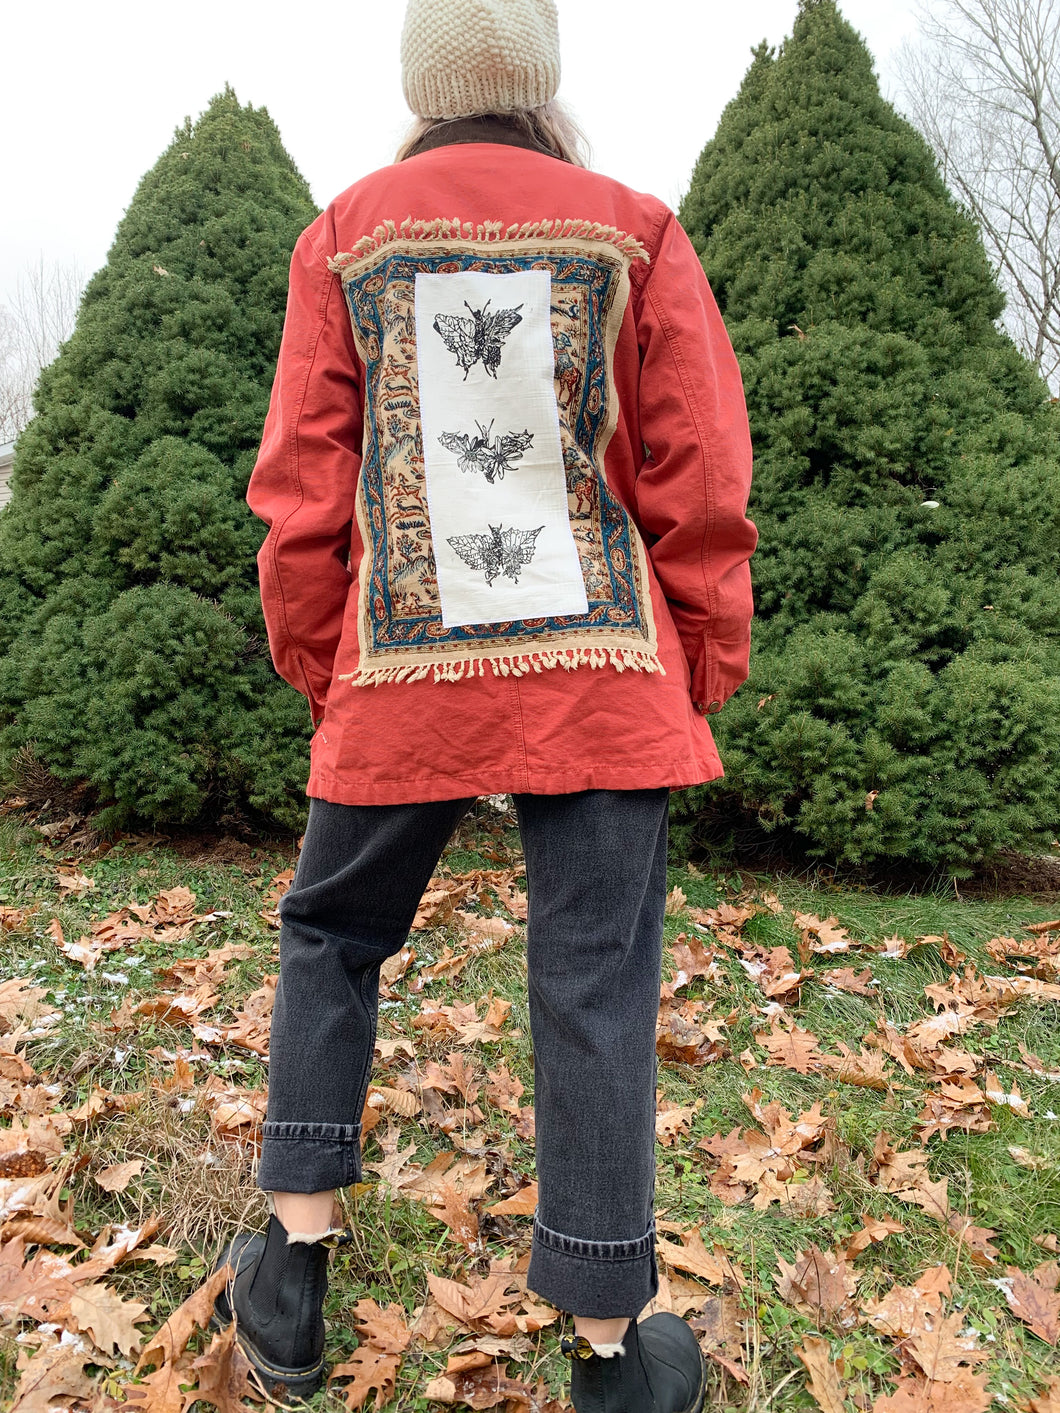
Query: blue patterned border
{"type": "Point", "coordinates": [381, 303]}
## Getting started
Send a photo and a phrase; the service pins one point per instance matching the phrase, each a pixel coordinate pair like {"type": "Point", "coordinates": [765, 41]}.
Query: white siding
{"type": "Point", "coordinates": [7, 456]}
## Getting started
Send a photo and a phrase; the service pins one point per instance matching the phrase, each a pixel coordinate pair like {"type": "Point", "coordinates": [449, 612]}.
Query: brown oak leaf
{"type": "Point", "coordinates": [521, 1204]}
{"type": "Point", "coordinates": [485, 1386]}
{"type": "Point", "coordinates": [111, 1321]}
{"type": "Point", "coordinates": [224, 1373]}
{"type": "Point", "coordinates": [942, 1351]}
{"type": "Point", "coordinates": [795, 1049]}
{"type": "Point", "coordinates": [1034, 1299]}
{"type": "Point", "coordinates": [692, 1256]}
{"type": "Point", "coordinates": [55, 1371]}
{"type": "Point", "coordinates": [170, 1341]}
{"type": "Point", "coordinates": [965, 1394]}
{"type": "Point", "coordinates": [819, 1283]}
{"type": "Point", "coordinates": [824, 1384]}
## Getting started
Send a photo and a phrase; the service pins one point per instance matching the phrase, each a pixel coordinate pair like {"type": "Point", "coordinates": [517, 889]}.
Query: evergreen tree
{"type": "Point", "coordinates": [904, 698]}
{"type": "Point", "coordinates": [133, 645]}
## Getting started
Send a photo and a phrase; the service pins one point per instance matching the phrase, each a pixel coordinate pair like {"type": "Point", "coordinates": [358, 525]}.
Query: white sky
{"type": "Point", "coordinates": [92, 92]}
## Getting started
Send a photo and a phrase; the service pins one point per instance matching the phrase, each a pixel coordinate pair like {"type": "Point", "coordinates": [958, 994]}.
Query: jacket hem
{"type": "Point", "coordinates": [646, 775]}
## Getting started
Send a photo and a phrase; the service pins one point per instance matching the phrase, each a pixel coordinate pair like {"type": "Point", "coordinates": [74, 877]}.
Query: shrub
{"type": "Point", "coordinates": [133, 647]}
{"type": "Point", "coordinates": [904, 698]}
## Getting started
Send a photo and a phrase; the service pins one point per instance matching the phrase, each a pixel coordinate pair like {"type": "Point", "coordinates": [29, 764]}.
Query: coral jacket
{"type": "Point", "coordinates": [653, 460]}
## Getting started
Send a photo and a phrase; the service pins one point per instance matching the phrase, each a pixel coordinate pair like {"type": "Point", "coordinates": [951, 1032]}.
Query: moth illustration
{"type": "Point", "coordinates": [492, 458]}
{"type": "Point", "coordinates": [500, 552]}
{"type": "Point", "coordinates": [478, 339]}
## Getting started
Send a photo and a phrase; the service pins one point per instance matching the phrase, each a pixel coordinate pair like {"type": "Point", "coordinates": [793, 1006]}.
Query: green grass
{"type": "Point", "coordinates": [201, 1188]}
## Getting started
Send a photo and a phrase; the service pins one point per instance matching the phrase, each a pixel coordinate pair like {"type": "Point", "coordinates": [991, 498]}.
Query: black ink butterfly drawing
{"type": "Point", "coordinates": [480, 454]}
{"type": "Point", "coordinates": [499, 552]}
{"type": "Point", "coordinates": [478, 339]}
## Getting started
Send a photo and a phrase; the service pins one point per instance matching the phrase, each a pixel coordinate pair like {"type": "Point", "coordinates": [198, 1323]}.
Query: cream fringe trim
{"type": "Point", "coordinates": [517, 666]}
{"type": "Point", "coordinates": [442, 229]}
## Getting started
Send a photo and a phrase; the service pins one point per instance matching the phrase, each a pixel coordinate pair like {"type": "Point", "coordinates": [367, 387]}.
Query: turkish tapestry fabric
{"type": "Point", "coordinates": [497, 450]}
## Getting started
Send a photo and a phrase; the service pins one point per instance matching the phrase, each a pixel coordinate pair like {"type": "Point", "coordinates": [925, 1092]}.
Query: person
{"type": "Point", "coordinates": [505, 472]}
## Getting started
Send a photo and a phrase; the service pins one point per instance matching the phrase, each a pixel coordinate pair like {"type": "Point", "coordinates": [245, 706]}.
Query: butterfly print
{"type": "Point", "coordinates": [480, 454]}
{"type": "Point", "coordinates": [500, 552]}
{"type": "Point", "coordinates": [478, 339]}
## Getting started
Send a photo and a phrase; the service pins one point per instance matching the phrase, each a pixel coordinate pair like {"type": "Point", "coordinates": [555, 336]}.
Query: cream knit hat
{"type": "Point", "coordinates": [460, 58]}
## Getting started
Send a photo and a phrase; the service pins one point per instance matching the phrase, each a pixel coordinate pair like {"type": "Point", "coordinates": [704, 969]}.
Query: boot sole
{"type": "Point", "coordinates": [275, 1383]}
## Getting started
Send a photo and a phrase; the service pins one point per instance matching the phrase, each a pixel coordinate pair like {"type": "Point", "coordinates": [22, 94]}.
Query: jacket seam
{"type": "Point", "coordinates": [708, 474]}
{"type": "Point", "coordinates": [295, 461]}
{"type": "Point", "coordinates": [520, 729]}
{"type": "Point", "coordinates": [653, 244]}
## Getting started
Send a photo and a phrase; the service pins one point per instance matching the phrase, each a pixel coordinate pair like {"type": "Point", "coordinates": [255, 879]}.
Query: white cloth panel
{"type": "Point", "coordinates": [486, 385]}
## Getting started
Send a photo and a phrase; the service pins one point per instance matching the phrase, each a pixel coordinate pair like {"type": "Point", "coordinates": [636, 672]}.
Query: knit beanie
{"type": "Point", "coordinates": [460, 58]}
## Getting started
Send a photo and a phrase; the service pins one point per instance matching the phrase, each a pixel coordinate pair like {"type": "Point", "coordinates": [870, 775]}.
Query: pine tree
{"type": "Point", "coordinates": [134, 651]}
{"type": "Point", "coordinates": [904, 699]}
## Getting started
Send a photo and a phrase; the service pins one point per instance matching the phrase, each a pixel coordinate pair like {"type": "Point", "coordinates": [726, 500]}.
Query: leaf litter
{"type": "Point", "coordinates": [449, 1125]}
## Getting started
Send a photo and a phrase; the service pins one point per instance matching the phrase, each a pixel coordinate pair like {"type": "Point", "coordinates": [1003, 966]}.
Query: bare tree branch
{"type": "Point", "coordinates": [34, 323]}
{"type": "Point", "coordinates": [983, 86]}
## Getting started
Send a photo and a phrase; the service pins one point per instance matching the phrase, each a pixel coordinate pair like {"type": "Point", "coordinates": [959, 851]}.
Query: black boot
{"type": "Point", "coordinates": [277, 1296]}
{"type": "Point", "coordinates": [662, 1371]}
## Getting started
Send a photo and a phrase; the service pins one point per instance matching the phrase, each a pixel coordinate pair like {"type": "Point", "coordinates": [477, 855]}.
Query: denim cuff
{"type": "Point", "coordinates": [599, 1279]}
{"type": "Point", "coordinates": [309, 1157]}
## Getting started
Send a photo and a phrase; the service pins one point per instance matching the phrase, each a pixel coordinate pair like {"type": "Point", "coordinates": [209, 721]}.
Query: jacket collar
{"type": "Point", "coordinates": [490, 127]}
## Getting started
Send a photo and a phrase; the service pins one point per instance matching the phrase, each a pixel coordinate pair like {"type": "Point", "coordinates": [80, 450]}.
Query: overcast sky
{"type": "Point", "coordinates": [92, 92]}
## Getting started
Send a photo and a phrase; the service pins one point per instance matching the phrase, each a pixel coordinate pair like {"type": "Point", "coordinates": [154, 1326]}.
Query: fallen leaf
{"type": "Point", "coordinates": [163, 1391]}
{"type": "Point", "coordinates": [504, 1090]}
{"type": "Point", "coordinates": [965, 1394]}
{"type": "Point", "coordinates": [824, 1384]}
{"type": "Point", "coordinates": [117, 1177]}
{"type": "Point", "coordinates": [170, 1341]}
{"type": "Point", "coordinates": [830, 936]}
{"type": "Point", "coordinates": [672, 1121]}
{"type": "Point", "coordinates": [56, 1371]}
{"type": "Point", "coordinates": [484, 1387]}
{"type": "Point", "coordinates": [110, 1320]}
{"type": "Point", "coordinates": [1034, 1300]}
{"type": "Point", "coordinates": [224, 1374]}
{"type": "Point", "coordinates": [1049, 1401]}
{"type": "Point", "coordinates": [455, 1211]}
{"type": "Point", "coordinates": [719, 1328]}
{"type": "Point", "coordinates": [676, 900]}
{"type": "Point", "coordinates": [876, 1229]}
{"type": "Point", "coordinates": [20, 1001]}
{"type": "Point", "coordinates": [845, 979]}
{"type": "Point", "coordinates": [819, 1283]}
{"type": "Point", "coordinates": [692, 1256]}
{"type": "Point", "coordinates": [942, 1351]}
{"type": "Point", "coordinates": [35, 1288]}
{"type": "Point", "coordinates": [795, 1049]}
{"type": "Point", "coordinates": [802, 1196]}
{"type": "Point", "coordinates": [480, 1298]}
{"type": "Point", "coordinates": [521, 1204]}
{"type": "Point", "coordinates": [976, 1239]}
{"type": "Point", "coordinates": [906, 1310]}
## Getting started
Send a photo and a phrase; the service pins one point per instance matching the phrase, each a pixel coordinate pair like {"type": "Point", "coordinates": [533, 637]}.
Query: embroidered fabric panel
{"type": "Point", "coordinates": [401, 629]}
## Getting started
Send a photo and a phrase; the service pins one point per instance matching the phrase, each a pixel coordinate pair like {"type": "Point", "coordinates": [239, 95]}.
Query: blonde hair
{"type": "Point", "coordinates": [550, 127]}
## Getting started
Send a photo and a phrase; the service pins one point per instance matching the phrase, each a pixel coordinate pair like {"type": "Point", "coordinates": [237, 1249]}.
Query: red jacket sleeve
{"type": "Point", "coordinates": [305, 479]}
{"type": "Point", "coordinates": [692, 491]}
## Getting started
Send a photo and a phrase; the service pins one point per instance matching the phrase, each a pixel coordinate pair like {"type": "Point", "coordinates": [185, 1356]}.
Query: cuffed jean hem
{"type": "Point", "coordinates": [599, 1279]}
{"type": "Point", "coordinates": [301, 1157]}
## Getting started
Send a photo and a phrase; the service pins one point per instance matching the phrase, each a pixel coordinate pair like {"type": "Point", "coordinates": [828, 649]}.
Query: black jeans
{"type": "Point", "coordinates": [596, 880]}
